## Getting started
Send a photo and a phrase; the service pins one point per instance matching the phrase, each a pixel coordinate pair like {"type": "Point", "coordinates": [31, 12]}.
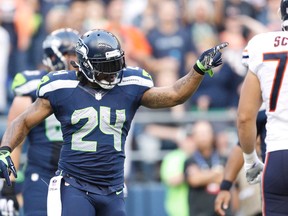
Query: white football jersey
{"type": "Point", "coordinates": [266, 55]}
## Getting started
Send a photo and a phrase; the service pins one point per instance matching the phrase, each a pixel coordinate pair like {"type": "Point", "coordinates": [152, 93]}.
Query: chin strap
{"type": "Point", "coordinates": [74, 64]}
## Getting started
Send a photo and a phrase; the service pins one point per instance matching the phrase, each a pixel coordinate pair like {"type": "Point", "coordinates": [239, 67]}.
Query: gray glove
{"type": "Point", "coordinates": [253, 168]}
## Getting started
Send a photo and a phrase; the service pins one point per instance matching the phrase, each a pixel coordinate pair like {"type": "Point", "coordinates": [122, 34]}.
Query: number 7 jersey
{"type": "Point", "coordinates": [94, 123]}
{"type": "Point", "coordinates": [266, 56]}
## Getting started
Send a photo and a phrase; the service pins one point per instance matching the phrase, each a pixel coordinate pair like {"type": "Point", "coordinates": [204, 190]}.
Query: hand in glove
{"type": "Point", "coordinates": [6, 164]}
{"type": "Point", "coordinates": [253, 168]}
{"type": "Point", "coordinates": [209, 59]}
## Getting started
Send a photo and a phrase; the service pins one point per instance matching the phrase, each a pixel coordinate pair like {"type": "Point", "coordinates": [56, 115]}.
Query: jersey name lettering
{"type": "Point", "coordinates": [280, 41]}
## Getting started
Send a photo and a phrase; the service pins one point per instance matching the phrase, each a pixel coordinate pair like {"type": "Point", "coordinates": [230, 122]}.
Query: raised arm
{"type": "Point", "coordinates": [161, 97]}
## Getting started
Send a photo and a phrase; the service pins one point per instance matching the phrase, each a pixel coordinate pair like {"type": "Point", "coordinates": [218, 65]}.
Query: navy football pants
{"type": "Point", "coordinates": [275, 184]}
{"type": "Point", "coordinates": [35, 190]}
{"type": "Point", "coordinates": [79, 203]}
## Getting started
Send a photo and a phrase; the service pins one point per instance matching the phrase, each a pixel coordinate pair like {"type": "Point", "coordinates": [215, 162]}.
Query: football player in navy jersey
{"type": "Point", "coordinates": [95, 105]}
{"type": "Point", "coordinates": [44, 140]}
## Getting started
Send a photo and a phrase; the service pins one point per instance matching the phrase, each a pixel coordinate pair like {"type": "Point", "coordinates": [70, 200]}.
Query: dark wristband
{"type": "Point", "coordinates": [226, 185]}
{"type": "Point", "coordinates": [197, 69]}
{"type": "Point", "coordinates": [6, 148]}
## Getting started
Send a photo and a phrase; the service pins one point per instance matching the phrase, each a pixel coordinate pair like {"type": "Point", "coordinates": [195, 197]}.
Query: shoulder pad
{"type": "Point", "coordinates": [27, 81]}
{"type": "Point", "coordinates": [57, 80]}
{"type": "Point", "coordinates": [136, 76]}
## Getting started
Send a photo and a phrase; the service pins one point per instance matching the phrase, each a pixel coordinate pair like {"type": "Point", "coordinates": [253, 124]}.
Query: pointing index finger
{"type": "Point", "coordinates": [221, 46]}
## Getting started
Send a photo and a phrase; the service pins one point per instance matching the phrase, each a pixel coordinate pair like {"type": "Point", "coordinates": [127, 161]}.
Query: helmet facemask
{"type": "Point", "coordinates": [53, 58]}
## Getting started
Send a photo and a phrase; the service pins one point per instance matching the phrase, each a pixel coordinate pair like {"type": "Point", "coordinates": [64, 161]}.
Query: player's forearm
{"type": "Point", "coordinates": [247, 135]}
{"type": "Point", "coordinates": [15, 134]}
{"type": "Point", "coordinates": [202, 178]}
{"type": "Point", "coordinates": [163, 97]}
{"type": "Point", "coordinates": [234, 164]}
{"type": "Point", "coordinates": [186, 86]}
{"type": "Point", "coordinates": [16, 155]}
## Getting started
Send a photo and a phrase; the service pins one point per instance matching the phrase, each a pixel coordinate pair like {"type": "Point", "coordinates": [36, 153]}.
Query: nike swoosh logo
{"type": "Point", "coordinates": [119, 192]}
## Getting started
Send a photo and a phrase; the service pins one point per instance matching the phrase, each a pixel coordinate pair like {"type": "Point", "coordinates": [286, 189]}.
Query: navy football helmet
{"type": "Point", "coordinates": [56, 45]}
{"type": "Point", "coordinates": [100, 58]}
{"type": "Point", "coordinates": [284, 14]}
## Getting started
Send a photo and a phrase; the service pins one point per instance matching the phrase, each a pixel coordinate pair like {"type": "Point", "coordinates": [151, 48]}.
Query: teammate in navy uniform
{"type": "Point", "coordinates": [95, 106]}
{"type": "Point", "coordinates": [44, 140]}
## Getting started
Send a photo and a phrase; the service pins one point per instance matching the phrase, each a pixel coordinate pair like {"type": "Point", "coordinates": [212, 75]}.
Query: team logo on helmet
{"type": "Point", "coordinates": [82, 48]}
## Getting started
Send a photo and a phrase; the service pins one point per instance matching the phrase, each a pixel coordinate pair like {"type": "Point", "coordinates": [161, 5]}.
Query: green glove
{"type": "Point", "coordinates": [209, 59]}
{"type": "Point", "coordinates": [6, 164]}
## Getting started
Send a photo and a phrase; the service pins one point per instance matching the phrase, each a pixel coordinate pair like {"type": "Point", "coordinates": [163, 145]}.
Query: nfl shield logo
{"type": "Point", "coordinates": [98, 96]}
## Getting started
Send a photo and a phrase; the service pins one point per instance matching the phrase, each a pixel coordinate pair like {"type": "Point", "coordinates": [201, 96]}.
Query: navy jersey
{"type": "Point", "coordinates": [95, 123]}
{"type": "Point", "coordinates": [261, 131]}
{"type": "Point", "coordinates": [41, 152]}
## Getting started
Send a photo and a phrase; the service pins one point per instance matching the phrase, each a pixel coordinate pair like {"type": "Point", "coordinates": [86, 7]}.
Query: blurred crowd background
{"type": "Point", "coordinates": [165, 37]}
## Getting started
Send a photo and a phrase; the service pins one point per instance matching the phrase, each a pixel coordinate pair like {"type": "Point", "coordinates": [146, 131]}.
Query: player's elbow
{"type": "Point", "coordinates": [177, 99]}
{"type": "Point", "coordinates": [243, 119]}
